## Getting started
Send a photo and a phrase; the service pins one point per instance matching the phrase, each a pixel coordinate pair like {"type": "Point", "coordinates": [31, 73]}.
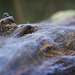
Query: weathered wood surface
{"type": "Point", "coordinates": [50, 50]}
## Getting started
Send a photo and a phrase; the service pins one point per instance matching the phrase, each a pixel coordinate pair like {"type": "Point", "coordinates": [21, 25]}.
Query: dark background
{"type": "Point", "coordinates": [29, 11]}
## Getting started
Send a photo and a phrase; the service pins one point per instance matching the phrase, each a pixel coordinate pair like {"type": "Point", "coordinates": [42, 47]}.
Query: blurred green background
{"type": "Point", "coordinates": [30, 11]}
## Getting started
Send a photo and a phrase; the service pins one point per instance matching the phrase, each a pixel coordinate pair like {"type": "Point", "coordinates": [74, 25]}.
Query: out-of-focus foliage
{"type": "Point", "coordinates": [34, 10]}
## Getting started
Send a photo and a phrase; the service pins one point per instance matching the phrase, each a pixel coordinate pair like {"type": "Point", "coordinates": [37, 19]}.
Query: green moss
{"type": "Point", "coordinates": [61, 16]}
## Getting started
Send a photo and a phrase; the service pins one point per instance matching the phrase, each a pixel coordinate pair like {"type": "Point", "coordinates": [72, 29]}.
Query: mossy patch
{"type": "Point", "coordinates": [61, 16]}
